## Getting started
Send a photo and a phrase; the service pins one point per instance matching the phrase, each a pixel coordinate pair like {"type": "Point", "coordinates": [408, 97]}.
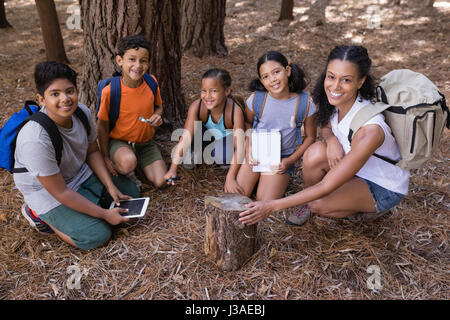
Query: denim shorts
{"type": "Point", "coordinates": [384, 199]}
{"type": "Point", "coordinates": [290, 170]}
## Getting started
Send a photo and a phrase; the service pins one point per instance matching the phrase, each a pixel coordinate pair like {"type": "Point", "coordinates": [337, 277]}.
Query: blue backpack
{"type": "Point", "coordinates": [114, 101]}
{"type": "Point", "coordinates": [259, 100]}
{"type": "Point", "coordinates": [10, 131]}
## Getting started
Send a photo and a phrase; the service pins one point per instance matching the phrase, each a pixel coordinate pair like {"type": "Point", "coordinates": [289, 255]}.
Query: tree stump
{"type": "Point", "coordinates": [227, 241]}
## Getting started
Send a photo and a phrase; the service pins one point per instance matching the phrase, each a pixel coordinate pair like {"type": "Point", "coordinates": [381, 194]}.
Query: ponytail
{"type": "Point", "coordinates": [297, 80]}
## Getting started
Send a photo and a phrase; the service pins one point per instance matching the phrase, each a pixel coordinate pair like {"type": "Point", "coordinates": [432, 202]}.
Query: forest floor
{"type": "Point", "coordinates": [161, 256]}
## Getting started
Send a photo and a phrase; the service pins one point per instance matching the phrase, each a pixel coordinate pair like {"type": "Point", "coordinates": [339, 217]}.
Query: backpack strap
{"type": "Point", "coordinates": [53, 133]}
{"type": "Point", "coordinates": [29, 103]}
{"type": "Point", "coordinates": [84, 120]}
{"type": "Point", "coordinates": [303, 101]}
{"type": "Point", "coordinates": [259, 100]}
{"type": "Point", "coordinates": [151, 82]}
{"type": "Point", "coordinates": [231, 118]}
{"type": "Point", "coordinates": [199, 114]}
{"type": "Point", "coordinates": [362, 116]}
{"type": "Point", "coordinates": [114, 102]}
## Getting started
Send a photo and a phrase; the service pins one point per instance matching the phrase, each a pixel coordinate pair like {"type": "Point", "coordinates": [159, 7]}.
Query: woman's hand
{"type": "Point", "coordinates": [335, 152]}
{"type": "Point", "coordinates": [232, 186]}
{"type": "Point", "coordinates": [257, 211]}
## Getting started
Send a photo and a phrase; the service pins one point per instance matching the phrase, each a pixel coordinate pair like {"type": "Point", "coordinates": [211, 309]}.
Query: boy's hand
{"type": "Point", "coordinates": [156, 120]}
{"type": "Point", "coordinates": [116, 195]}
{"type": "Point", "coordinates": [110, 166]}
{"type": "Point", "coordinates": [113, 216]}
{"type": "Point", "coordinates": [170, 177]}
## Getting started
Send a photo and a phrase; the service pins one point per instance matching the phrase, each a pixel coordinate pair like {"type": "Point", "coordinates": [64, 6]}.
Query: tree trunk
{"type": "Point", "coordinates": [3, 22]}
{"type": "Point", "coordinates": [202, 23]}
{"type": "Point", "coordinates": [51, 32]}
{"type": "Point", "coordinates": [227, 241]}
{"type": "Point", "coordinates": [287, 8]}
{"type": "Point", "coordinates": [317, 12]}
{"type": "Point", "coordinates": [106, 22]}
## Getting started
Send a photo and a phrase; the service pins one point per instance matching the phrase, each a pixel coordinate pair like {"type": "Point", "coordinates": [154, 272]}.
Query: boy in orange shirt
{"type": "Point", "coordinates": [129, 143]}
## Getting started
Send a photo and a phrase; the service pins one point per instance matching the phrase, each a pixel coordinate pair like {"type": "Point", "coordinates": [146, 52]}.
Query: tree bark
{"type": "Point", "coordinates": [227, 241]}
{"type": "Point", "coordinates": [202, 23]}
{"type": "Point", "coordinates": [51, 32]}
{"type": "Point", "coordinates": [106, 22]}
{"type": "Point", "coordinates": [287, 10]}
{"type": "Point", "coordinates": [3, 22]}
{"type": "Point", "coordinates": [317, 12]}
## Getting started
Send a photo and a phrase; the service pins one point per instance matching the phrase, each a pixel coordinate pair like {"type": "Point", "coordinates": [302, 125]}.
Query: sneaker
{"type": "Point", "coordinates": [299, 218]}
{"type": "Point", "coordinates": [34, 220]}
{"type": "Point", "coordinates": [189, 166]}
{"type": "Point", "coordinates": [365, 216]}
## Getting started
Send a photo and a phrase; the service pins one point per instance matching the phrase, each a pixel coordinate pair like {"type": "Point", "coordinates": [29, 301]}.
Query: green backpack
{"type": "Point", "coordinates": [415, 111]}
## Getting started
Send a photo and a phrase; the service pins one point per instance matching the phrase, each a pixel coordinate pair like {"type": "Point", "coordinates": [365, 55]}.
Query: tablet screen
{"type": "Point", "coordinates": [134, 207]}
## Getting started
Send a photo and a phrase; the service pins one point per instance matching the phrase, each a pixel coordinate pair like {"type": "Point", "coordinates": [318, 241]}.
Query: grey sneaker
{"type": "Point", "coordinates": [365, 216]}
{"type": "Point", "coordinates": [191, 165]}
{"type": "Point", "coordinates": [300, 217]}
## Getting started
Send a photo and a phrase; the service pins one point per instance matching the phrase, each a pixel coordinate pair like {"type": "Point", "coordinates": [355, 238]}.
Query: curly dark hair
{"type": "Point", "coordinates": [133, 42]}
{"type": "Point", "coordinates": [355, 54]}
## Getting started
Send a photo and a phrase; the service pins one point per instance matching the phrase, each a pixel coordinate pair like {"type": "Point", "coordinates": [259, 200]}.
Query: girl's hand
{"type": "Point", "coordinates": [110, 166]}
{"type": "Point", "coordinates": [252, 162]}
{"type": "Point", "coordinates": [232, 186]}
{"type": "Point", "coordinates": [335, 152]}
{"type": "Point", "coordinates": [156, 120]}
{"type": "Point", "coordinates": [113, 216]}
{"type": "Point", "coordinates": [257, 211]}
{"type": "Point", "coordinates": [170, 176]}
{"type": "Point", "coordinates": [281, 167]}
{"type": "Point", "coordinates": [117, 195]}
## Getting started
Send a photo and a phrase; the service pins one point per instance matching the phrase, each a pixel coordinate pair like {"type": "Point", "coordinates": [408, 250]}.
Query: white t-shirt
{"type": "Point", "coordinates": [34, 151]}
{"type": "Point", "coordinates": [381, 172]}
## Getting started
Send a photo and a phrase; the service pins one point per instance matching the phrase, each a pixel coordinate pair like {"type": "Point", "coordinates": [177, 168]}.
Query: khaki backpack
{"type": "Point", "coordinates": [415, 111]}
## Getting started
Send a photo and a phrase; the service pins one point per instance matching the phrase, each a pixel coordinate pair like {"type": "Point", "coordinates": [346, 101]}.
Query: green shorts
{"type": "Point", "coordinates": [88, 232]}
{"type": "Point", "coordinates": [146, 152]}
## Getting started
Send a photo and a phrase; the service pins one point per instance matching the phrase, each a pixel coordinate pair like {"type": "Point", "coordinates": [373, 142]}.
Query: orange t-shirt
{"type": "Point", "coordinates": [134, 102]}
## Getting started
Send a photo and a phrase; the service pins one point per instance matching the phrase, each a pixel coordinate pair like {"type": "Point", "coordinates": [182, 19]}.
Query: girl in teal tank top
{"type": "Point", "coordinates": [214, 116]}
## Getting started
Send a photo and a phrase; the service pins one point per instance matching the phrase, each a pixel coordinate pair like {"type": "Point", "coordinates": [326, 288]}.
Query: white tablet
{"type": "Point", "coordinates": [136, 207]}
{"type": "Point", "coordinates": [266, 149]}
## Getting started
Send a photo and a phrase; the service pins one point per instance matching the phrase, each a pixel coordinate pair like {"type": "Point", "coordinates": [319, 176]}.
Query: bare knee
{"type": "Point", "coordinates": [315, 155]}
{"type": "Point", "coordinates": [159, 183]}
{"type": "Point", "coordinates": [126, 163]}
